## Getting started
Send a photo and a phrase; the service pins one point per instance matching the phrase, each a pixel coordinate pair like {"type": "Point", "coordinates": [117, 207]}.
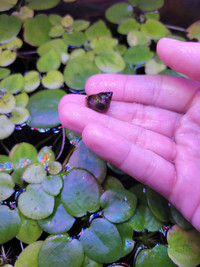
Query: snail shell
{"type": "Point", "coordinates": [99, 102]}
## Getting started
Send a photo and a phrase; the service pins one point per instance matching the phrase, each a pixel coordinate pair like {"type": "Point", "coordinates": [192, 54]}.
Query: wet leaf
{"type": "Point", "coordinates": [42, 5]}
{"type": "Point", "coordinates": [91, 162]}
{"type": "Point", "coordinates": [73, 137]}
{"type": "Point", "coordinates": [24, 13]}
{"type": "Point", "coordinates": [102, 242]}
{"type": "Point", "coordinates": [80, 193]}
{"type": "Point", "coordinates": [56, 31]}
{"type": "Point", "coordinates": [32, 81]}
{"type": "Point", "coordinates": [193, 31]}
{"type": "Point", "coordinates": [128, 25]}
{"type": "Point", "coordinates": [52, 185]}
{"type": "Point", "coordinates": [29, 230]}
{"type": "Point", "coordinates": [43, 107]}
{"type": "Point", "coordinates": [9, 224]}
{"type": "Point", "coordinates": [74, 39]}
{"type": "Point", "coordinates": [7, 103]}
{"type": "Point", "coordinates": [9, 28]}
{"type": "Point", "coordinates": [112, 183]}
{"type": "Point", "coordinates": [13, 45]}
{"type": "Point", "coordinates": [6, 186]}
{"type": "Point", "coordinates": [101, 43]}
{"type": "Point", "coordinates": [45, 155]}
{"type": "Point", "coordinates": [118, 206]}
{"type": "Point", "coordinates": [7, 4]}
{"type": "Point", "coordinates": [156, 256]}
{"type": "Point", "coordinates": [119, 12]}
{"type": "Point", "coordinates": [57, 45]}
{"type": "Point", "coordinates": [21, 100]}
{"type": "Point", "coordinates": [60, 221]}
{"type": "Point", "coordinates": [77, 72]}
{"type": "Point", "coordinates": [34, 203]}
{"type": "Point", "coordinates": [28, 257]}
{"type": "Point", "coordinates": [179, 219]}
{"type": "Point", "coordinates": [99, 28]}
{"type": "Point", "coordinates": [4, 72]}
{"type": "Point", "coordinates": [154, 29]}
{"type": "Point", "coordinates": [80, 25]}
{"type": "Point", "coordinates": [135, 38]}
{"type": "Point", "coordinates": [35, 173]}
{"type": "Point", "coordinates": [6, 164]}
{"type": "Point", "coordinates": [7, 57]}
{"type": "Point", "coordinates": [60, 251]}
{"type": "Point", "coordinates": [110, 61]}
{"type": "Point", "coordinates": [19, 115]}
{"type": "Point", "coordinates": [53, 79]}
{"type": "Point", "coordinates": [138, 55]}
{"type": "Point", "coordinates": [184, 246]}
{"type": "Point", "coordinates": [49, 61]}
{"type": "Point", "coordinates": [13, 83]}
{"type": "Point", "coordinates": [6, 127]}
{"type": "Point", "coordinates": [36, 30]}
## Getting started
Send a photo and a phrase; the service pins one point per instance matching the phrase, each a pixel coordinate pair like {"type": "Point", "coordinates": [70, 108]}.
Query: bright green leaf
{"type": "Point", "coordinates": [42, 5]}
{"type": "Point", "coordinates": [9, 28]}
{"type": "Point", "coordinates": [6, 186]}
{"type": "Point", "coordinates": [119, 12]}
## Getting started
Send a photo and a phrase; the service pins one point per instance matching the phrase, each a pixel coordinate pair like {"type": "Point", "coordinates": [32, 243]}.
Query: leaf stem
{"type": "Point", "coordinates": [63, 143]}
{"type": "Point", "coordinates": [177, 28]}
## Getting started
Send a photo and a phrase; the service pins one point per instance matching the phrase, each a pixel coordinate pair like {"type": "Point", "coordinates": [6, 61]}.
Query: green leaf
{"type": "Point", "coordinates": [21, 100]}
{"type": "Point", "coordinates": [56, 31]}
{"type": "Point", "coordinates": [80, 193]}
{"type": "Point", "coordinates": [99, 28]}
{"type": "Point", "coordinates": [110, 61]}
{"type": "Point", "coordinates": [135, 37]}
{"type": "Point", "coordinates": [53, 79]}
{"type": "Point", "coordinates": [179, 219]}
{"type": "Point", "coordinates": [36, 30]}
{"type": "Point", "coordinates": [171, 72]}
{"type": "Point", "coordinates": [112, 183]}
{"type": "Point", "coordinates": [13, 83]}
{"type": "Point", "coordinates": [102, 242]}
{"type": "Point", "coordinates": [54, 19]}
{"type": "Point", "coordinates": [9, 224]}
{"type": "Point", "coordinates": [129, 69]}
{"type": "Point", "coordinates": [54, 167]}
{"type": "Point", "coordinates": [32, 81]}
{"type": "Point", "coordinates": [67, 22]}
{"type": "Point", "coordinates": [4, 72]}
{"type": "Point", "coordinates": [60, 221]}
{"type": "Point", "coordinates": [127, 25]}
{"type": "Point", "coordinates": [24, 13]}
{"type": "Point", "coordinates": [52, 185]}
{"type": "Point", "coordinates": [90, 162]}
{"type": "Point", "coordinates": [7, 4]}
{"type": "Point", "coordinates": [154, 66]}
{"type": "Point", "coordinates": [90, 263]}
{"type": "Point", "coordinates": [78, 71]}
{"type": "Point", "coordinates": [154, 29]}
{"type": "Point", "coordinates": [6, 164]}
{"type": "Point", "coordinates": [9, 28]}
{"type": "Point", "coordinates": [193, 31]}
{"type": "Point", "coordinates": [13, 45]}
{"type": "Point", "coordinates": [118, 206]}
{"type": "Point", "coordinates": [35, 173]}
{"type": "Point", "coordinates": [28, 256]}
{"type": "Point", "coordinates": [49, 61]}
{"type": "Point", "coordinates": [61, 251]}
{"type": "Point", "coordinates": [156, 256]}
{"type": "Point", "coordinates": [148, 5]}
{"type": "Point", "coordinates": [7, 57]}
{"type": "Point", "coordinates": [45, 155]}
{"type": "Point", "coordinates": [42, 5]}
{"type": "Point", "coordinates": [80, 25]}
{"type": "Point", "coordinates": [75, 38]}
{"type": "Point", "coordinates": [43, 107]}
{"type": "Point", "coordinates": [34, 203]}
{"type": "Point", "coordinates": [101, 43]}
{"type": "Point", "coordinates": [119, 12]}
{"type": "Point", "coordinates": [7, 103]}
{"type": "Point", "coordinates": [19, 115]}
{"type": "Point", "coordinates": [6, 127]}
{"type": "Point", "coordinates": [29, 230]}
{"type": "Point", "coordinates": [138, 55]}
{"type": "Point", "coordinates": [6, 186]}
{"type": "Point", "coordinates": [184, 246]}
{"type": "Point", "coordinates": [57, 45]}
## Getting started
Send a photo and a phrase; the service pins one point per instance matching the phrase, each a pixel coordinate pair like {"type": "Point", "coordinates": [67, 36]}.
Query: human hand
{"type": "Point", "coordinates": [152, 128]}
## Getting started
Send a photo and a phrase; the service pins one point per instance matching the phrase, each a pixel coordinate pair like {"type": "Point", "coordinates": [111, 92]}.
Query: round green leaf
{"type": "Point", "coordinates": [14, 44]}
{"type": "Point", "coordinates": [110, 61]}
{"type": "Point", "coordinates": [120, 48]}
{"type": "Point", "coordinates": [23, 154]}
{"type": "Point", "coordinates": [60, 221]}
{"type": "Point", "coordinates": [41, 5]}
{"type": "Point", "coordinates": [152, 15]}
{"type": "Point", "coordinates": [6, 186]}
{"type": "Point", "coordinates": [154, 66]}
{"type": "Point", "coordinates": [7, 57]}
{"type": "Point", "coordinates": [17, 176]}
{"type": "Point", "coordinates": [193, 31]}
{"type": "Point", "coordinates": [156, 256]}
{"type": "Point", "coordinates": [34, 203]}
{"type": "Point", "coordinates": [32, 81]}
{"type": "Point", "coordinates": [53, 79]}
{"type": "Point", "coordinates": [80, 193]}
{"type": "Point", "coordinates": [43, 107]}
{"type": "Point", "coordinates": [101, 43]}
{"type": "Point", "coordinates": [4, 72]}
{"type": "Point", "coordinates": [79, 52]}
{"type": "Point", "coordinates": [119, 12]}
{"type": "Point", "coordinates": [138, 55]}
{"type": "Point", "coordinates": [7, 4]}
{"type": "Point", "coordinates": [56, 31]}
{"type": "Point", "coordinates": [52, 185]}
{"type": "Point", "coordinates": [24, 13]}
{"type": "Point", "coordinates": [60, 251]}
{"type": "Point", "coordinates": [9, 224]}
{"type": "Point", "coordinates": [129, 69]}
{"type": "Point", "coordinates": [19, 115]}
{"type": "Point", "coordinates": [21, 100]}
{"type": "Point", "coordinates": [149, 5]}
{"type": "Point", "coordinates": [57, 45]}
{"type": "Point", "coordinates": [50, 61]}
{"type": "Point", "coordinates": [90, 263]}
{"type": "Point", "coordinates": [28, 257]}
{"type": "Point", "coordinates": [78, 71]}
{"type": "Point", "coordinates": [80, 25]}
{"type": "Point", "coordinates": [36, 30]}
{"type": "Point", "coordinates": [29, 230]}
{"type": "Point", "coordinates": [12, 84]}
{"type": "Point", "coordinates": [102, 242]}
{"type": "Point", "coordinates": [179, 219]}
{"type": "Point", "coordinates": [6, 127]}
{"type": "Point", "coordinates": [9, 28]}
{"type": "Point", "coordinates": [118, 206]}
{"type": "Point", "coordinates": [67, 22]}
{"type": "Point", "coordinates": [35, 173]}
{"type": "Point", "coordinates": [6, 164]}
{"type": "Point", "coordinates": [184, 246]}
{"type": "Point", "coordinates": [54, 19]}
{"type": "Point", "coordinates": [75, 38]}
{"type": "Point", "coordinates": [45, 155]}
{"type": "Point", "coordinates": [154, 29]}
{"type": "Point", "coordinates": [7, 103]}
{"type": "Point", "coordinates": [126, 26]}
{"type": "Point", "coordinates": [112, 183]}
{"type": "Point", "coordinates": [54, 167]}
{"type": "Point", "coordinates": [99, 28]}
{"type": "Point", "coordinates": [91, 162]}
{"type": "Point", "coordinates": [135, 37]}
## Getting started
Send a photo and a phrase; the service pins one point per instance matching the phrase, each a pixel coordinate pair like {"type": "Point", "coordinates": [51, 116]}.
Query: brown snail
{"type": "Point", "coordinates": [99, 102]}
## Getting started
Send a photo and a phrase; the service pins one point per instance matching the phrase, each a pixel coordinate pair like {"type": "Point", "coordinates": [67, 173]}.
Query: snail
{"type": "Point", "coordinates": [99, 102]}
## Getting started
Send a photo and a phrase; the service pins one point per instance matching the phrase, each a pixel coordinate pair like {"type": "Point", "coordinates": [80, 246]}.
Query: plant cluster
{"type": "Point", "coordinates": [78, 212]}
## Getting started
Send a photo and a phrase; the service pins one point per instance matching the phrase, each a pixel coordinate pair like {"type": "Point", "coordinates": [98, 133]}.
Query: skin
{"type": "Point", "coordinates": [152, 128]}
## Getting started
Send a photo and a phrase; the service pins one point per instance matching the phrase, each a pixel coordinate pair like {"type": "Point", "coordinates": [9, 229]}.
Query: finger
{"type": "Point", "coordinates": [144, 165]}
{"type": "Point", "coordinates": [183, 57]}
{"type": "Point", "coordinates": [156, 119]}
{"type": "Point", "coordinates": [172, 93]}
{"type": "Point", "coordinates": [77, 117]}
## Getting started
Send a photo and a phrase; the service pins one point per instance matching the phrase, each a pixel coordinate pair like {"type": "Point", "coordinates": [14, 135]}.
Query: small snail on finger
{"type": "Point", "coordinates": [99, 102]}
